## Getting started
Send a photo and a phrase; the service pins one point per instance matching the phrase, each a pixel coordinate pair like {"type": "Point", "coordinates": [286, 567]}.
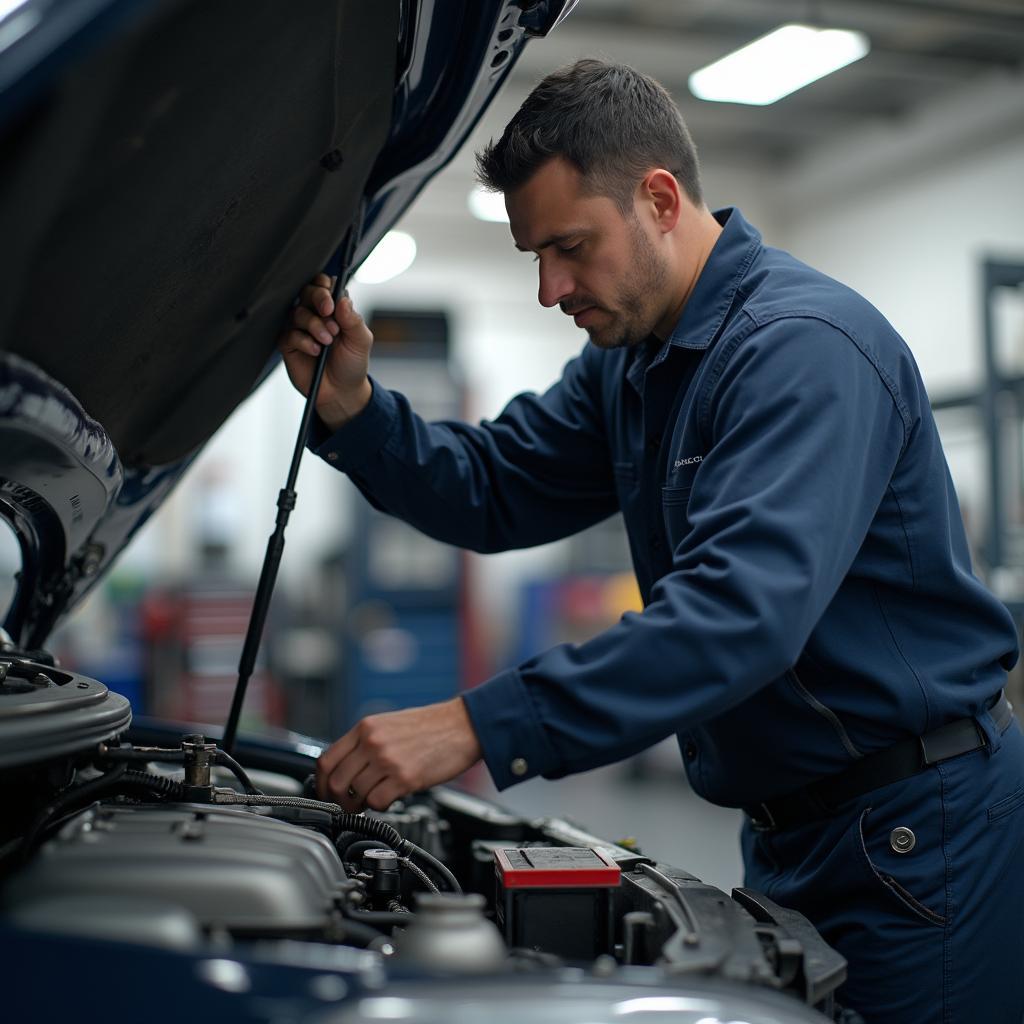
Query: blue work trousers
{"type": "Point", "coordinates": [934, 935]}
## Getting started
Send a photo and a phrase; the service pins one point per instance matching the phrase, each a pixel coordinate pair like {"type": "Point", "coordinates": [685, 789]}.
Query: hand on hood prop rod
{"type": "Point", "coordinates": [285, 503]}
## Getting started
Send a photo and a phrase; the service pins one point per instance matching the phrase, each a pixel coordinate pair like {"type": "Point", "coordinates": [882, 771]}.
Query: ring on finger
{"type": "Point", "coordinates": [353, 795]}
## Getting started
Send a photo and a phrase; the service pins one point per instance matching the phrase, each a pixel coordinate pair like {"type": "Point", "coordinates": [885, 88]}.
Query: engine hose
{"type": "Point", "coordinates": [373, 827]}
{"type": "Point", "coordinates": [381, 918]}
{"type": "Point", "coordinates": [432, 862]}
{"type": "Point", "coordinates": [223, 758]}
{"type": "Point", "coordinates": [161, 784]}
{"type": "Point", "coordinates": [343, 840]}
{"type": "Point", "coordinates": [419, 873]}
{"type": "Point", "coordinates": [68, 798]}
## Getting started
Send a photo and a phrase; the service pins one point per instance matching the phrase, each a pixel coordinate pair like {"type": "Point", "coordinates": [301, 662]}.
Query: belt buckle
{"type": "Point", "coordinates": [764, 821]}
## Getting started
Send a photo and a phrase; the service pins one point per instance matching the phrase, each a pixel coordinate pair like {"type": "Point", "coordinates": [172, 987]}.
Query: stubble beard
{"type": "Point", "coordinates": [636, 313]}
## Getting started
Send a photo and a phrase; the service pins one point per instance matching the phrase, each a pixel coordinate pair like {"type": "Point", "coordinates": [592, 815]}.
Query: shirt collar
{"type": "Point", "coordinates": [702, 316]}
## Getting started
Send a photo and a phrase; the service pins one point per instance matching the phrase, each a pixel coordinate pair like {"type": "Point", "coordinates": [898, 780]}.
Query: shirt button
{"type": "Point", "coordinates": [519, 766]}
{"type": "Point", "coordinates": [332, 456]}
{"type": "Point", "coordinates": [690, 751]}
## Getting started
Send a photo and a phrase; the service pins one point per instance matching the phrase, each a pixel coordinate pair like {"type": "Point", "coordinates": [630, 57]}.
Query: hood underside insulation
{"type": "Point", "coordinates": [167, 196]}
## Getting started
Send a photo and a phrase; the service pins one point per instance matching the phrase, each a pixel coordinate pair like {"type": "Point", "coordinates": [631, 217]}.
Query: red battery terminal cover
{"type": "Point", "coordinates": [556, 867]}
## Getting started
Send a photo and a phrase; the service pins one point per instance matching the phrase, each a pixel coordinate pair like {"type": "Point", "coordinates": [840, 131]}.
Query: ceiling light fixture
{"type": "Point", "coordinates": [391, 256]}
{"type": "Point", "coordinates": [489, 206]}
{"type": "Point", "coordinates": [777, 64]}
{"type": "Point", "coordinates": [10, 6]}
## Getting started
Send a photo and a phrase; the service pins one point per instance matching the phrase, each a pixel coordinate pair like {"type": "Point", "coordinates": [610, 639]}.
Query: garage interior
{"type": "Point", "coordinates": [901, 175]}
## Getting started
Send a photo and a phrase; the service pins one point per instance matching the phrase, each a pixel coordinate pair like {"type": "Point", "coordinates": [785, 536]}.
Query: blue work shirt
{"type": "Point", "coordinates": [807, 587]}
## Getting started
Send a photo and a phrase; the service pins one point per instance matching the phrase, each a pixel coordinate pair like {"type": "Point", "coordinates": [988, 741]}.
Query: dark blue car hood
{"type": "Point", "coordinates": [171, 174]}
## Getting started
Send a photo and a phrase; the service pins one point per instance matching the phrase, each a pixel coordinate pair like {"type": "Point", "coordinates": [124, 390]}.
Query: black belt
{"type": "Point", "coordinates": [821, 799]}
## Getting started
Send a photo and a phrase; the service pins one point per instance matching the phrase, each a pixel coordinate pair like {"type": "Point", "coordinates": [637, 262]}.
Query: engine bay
{"type": "Point", "coordinates": [177, 845]}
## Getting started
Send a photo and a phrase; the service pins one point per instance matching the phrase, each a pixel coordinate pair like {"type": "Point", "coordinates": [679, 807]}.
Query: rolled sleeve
{"type": "Point", "coordinates": [514, 743]}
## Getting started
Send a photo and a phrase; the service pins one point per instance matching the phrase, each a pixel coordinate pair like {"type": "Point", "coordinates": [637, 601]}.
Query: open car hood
{"type": "Point", "coordinates": [173, 172]}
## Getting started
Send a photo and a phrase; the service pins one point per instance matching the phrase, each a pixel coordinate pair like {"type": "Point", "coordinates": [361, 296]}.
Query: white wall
{"type": "Point", "coordinates": [914, 245]}
{"type": "Point", "coordinates": [249, 459]}
{"type": "Point", "coordinates": [905, 214]}
{"type": "Point", "coordinates": [902, 213]}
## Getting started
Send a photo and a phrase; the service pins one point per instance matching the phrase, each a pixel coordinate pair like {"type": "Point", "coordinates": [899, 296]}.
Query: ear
{"type": "Point", "coordinates": [661, 193]}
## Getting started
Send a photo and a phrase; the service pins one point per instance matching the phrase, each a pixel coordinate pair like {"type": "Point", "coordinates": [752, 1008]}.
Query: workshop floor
{"type": "Point", "coordinates": [658, 809]}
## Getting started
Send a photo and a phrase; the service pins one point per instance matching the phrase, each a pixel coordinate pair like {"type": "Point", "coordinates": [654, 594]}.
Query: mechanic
{"type": "Point", "coordinates": [811, 629]}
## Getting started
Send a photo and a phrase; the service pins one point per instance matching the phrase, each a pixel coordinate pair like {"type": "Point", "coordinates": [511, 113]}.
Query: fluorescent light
{"type": "Point", "coordinates": [488, 206]}
{"type": "Point", "coordinates": [777, 64]}
{"type": "Point", "coordinates": [15, 22]}
{"type": "Point", "coordinates": [392, 255]}
{"type": "Point", "coordinates": [10, 6]}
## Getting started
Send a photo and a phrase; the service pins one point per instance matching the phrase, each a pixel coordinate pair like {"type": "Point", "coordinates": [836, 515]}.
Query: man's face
{"type": "Point", "coordinates": [598, 265]}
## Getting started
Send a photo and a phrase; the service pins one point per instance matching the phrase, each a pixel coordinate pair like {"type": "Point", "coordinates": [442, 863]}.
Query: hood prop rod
{"type": "Point", "coordinates": [285, 503]}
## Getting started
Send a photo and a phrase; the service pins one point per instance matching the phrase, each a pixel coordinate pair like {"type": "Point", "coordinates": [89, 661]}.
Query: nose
{"type": "Point", "coordinates": [555, 284]}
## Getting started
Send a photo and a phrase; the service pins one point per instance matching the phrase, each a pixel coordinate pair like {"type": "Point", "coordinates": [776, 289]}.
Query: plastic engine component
{"type": "Point", "coordinates": [557, 899]}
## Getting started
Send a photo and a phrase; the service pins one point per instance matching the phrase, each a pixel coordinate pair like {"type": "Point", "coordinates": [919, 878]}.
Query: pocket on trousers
{"type": "Point", "coordinates": [886, 874]}
{"type": "Point", "coordinates": [1001, 808]}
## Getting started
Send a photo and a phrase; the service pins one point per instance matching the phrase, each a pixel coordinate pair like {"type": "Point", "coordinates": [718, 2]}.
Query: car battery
{"type": "Point", "coordinates": [556, 899]}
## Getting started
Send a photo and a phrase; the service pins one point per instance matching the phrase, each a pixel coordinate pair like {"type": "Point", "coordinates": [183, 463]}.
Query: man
{"type": "Point", "coordinates": [811, 631]}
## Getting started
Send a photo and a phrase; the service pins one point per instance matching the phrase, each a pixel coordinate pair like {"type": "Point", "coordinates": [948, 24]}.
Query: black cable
{"type": "Point", "coordinates": [372, 827]}
{"type": "Point", "coordinates": [343, 840]}
{"type": "Point", "coordinates": [162, 784]}
{"type": "Point", "coordinates": [85, 793]}
{"type": "Point", "coordinates": [223, 758]}
{"type": "Point", "coordinates": [119, 777]}
{"type": "Point", "coordinates": [380, 918]}
{"type": "Point", "coordinates": [420, 854]}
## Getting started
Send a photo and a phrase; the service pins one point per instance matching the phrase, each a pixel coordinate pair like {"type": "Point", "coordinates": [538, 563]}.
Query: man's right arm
{"type": "Point", "coordinates": [539, 472]}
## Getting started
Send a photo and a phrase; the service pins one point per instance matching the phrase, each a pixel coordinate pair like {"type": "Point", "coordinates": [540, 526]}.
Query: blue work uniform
{"type": "Point", "coordinates": [808, 599]}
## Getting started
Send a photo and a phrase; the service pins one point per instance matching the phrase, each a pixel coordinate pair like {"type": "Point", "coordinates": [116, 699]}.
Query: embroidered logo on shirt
{"type": "Point", "coordinates": [687, 462]}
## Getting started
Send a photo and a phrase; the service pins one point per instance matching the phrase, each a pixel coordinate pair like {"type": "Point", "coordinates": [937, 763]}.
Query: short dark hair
{"type": "Point", "coordinates": [611, 122]}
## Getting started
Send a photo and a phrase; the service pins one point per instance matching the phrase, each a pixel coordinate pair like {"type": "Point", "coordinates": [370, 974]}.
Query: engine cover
{"type": "Point", "coordinates": [231, 869]}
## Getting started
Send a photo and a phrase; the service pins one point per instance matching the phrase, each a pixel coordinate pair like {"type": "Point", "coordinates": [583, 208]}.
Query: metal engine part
{"type": "Point", "coordinates": [46, 712]}
{"type": "Point", "coordinates": [229, 869]}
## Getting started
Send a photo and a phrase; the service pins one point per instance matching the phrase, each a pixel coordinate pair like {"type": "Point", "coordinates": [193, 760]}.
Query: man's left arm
{"type": "Point", "coordinates": [803, 436]}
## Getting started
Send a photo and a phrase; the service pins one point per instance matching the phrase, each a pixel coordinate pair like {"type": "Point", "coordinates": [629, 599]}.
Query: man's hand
{"type": "Point", "coordinates": [345, 389]}
{"type": "Point", "coordinates": [388, 756]}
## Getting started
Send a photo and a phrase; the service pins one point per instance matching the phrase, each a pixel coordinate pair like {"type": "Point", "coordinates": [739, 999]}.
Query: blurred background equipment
{"type": "Point", "coordinates": [404, 624]}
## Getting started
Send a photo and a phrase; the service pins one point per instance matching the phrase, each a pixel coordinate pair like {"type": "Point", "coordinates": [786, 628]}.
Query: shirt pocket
{"type": "Point", "coordinates": [674, 502]}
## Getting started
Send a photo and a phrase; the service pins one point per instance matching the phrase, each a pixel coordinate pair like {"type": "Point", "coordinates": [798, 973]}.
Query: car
{"type": "Point", "coordinates": [172, 174]}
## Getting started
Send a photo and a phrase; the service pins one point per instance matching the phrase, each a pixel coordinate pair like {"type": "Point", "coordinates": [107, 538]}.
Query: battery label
{"type": "Point", "coordinates": [562, 867]}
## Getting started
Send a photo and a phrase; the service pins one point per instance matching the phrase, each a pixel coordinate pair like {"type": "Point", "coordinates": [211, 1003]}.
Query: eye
{"type": "Point", "coordinates": [570, 250]}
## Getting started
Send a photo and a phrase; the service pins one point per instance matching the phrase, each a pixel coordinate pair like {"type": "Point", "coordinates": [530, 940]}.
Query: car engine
{"type": "Point", "coordinates": [109, 834]}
